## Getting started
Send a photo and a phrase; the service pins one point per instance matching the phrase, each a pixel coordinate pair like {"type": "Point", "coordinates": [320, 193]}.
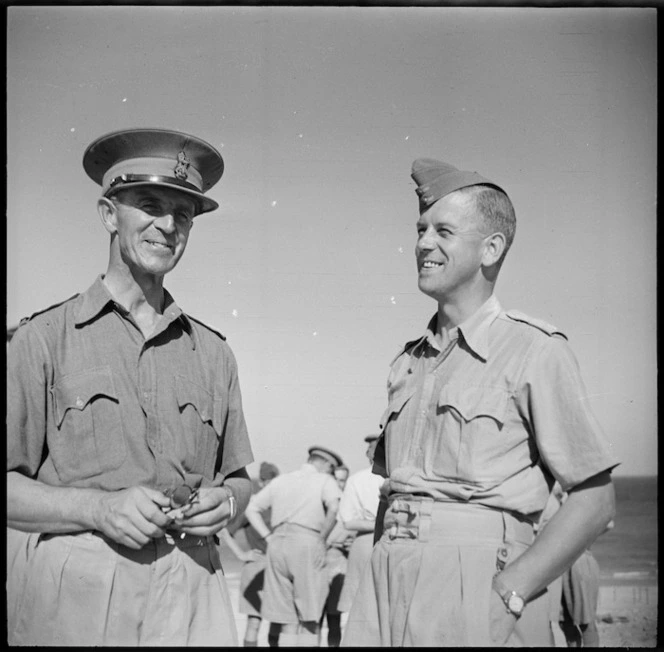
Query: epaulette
{"type": "Point", "coordinates": [544, 326]}
{"type": "Point", "coordinates": [198, 321]}
{"type": "Point", "coordinates": [405, 348]}
{"type": "Point", "coordinates": [25, 320]}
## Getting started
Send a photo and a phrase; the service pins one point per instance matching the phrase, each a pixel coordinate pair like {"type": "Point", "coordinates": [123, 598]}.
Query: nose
{"type": "Point", "coordinates": [425, 241]}
{"type": "Point", "coordinates": [165, 223]}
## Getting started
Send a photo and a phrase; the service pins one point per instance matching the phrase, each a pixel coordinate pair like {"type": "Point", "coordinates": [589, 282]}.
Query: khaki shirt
{"type": "Point", "coordinates": [300, 497]}
{"type": "Point", "coordinates": [493, 418]}
{"type": "Point", "coordinates": [92, 403]}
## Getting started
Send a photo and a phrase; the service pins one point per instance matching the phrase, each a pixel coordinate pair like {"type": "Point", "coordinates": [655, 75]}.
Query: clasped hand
{"type": "Point", "coordinates": [136, 515]}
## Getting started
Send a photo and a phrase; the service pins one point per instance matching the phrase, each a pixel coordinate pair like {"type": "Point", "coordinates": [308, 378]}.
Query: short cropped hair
{"type": "Point", "coordinates": [495, 210]}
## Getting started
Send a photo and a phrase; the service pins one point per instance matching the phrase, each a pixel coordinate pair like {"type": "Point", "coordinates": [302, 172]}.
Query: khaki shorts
{"type": "Point", "coordinates": [429, 582]}
{"type": "Point", "coordinates": [296, 581]}
{"type": "Point", "coordinates": [86, 590]}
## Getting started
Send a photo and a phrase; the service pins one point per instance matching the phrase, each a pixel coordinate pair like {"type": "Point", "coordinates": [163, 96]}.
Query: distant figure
{"type": "Point", "coordinates": [341, 476]}
{"type": "Point", "coordinates": [580, 596]}
{"type": "Point", "coordinates": [304, 506]}
{"type": "Point", "coordinates": [253, 571]}
{"type": "Point", "coordinates": [336, 562]}
{"type": "Point", "coordinates": [357, 513]}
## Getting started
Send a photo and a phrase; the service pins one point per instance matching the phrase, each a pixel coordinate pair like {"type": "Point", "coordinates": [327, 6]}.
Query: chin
{"type": "Point", "coordinates": [429, 291]}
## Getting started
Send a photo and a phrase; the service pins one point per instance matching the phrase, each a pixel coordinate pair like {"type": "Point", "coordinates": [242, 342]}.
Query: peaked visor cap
{"type": "Point", "coordinates": [435, 179]}
{"type": "Point", "coordinates": [326, 454]}
{"type": "Point", "coordinates": [155, 157]}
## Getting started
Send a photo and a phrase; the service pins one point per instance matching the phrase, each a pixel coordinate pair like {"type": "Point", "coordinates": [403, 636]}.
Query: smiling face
{"type": "Point", "coordinates": [450, 249]}
{"type": "Point", "coordinates": [150, 226]}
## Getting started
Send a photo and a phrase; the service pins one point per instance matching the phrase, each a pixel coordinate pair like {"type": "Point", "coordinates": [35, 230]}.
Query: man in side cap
{"type": "Point", "coordinates": [303, 507]}
{"type": "Point", "coordinates": [126, 440]}
{"type": "Point", "coordinates": [485, 411]}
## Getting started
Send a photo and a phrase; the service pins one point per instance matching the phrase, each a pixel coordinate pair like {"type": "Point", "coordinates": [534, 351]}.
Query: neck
{"type": "Point", "coordinates": [454, 311]}
{"type": "Point", "coordinates": [142, 297]}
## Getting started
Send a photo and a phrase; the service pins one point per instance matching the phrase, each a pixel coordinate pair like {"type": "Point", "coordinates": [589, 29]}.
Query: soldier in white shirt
{"type": "Point", "coordinates": [357, 512]}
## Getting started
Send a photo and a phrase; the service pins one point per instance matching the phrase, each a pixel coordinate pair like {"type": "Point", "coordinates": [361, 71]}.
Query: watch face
{"type": "Point", "coordinates": [515, 604]}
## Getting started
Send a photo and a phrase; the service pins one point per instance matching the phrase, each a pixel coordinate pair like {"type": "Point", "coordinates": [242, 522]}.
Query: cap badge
{"type": "Point", "coordinates": [182, 166]}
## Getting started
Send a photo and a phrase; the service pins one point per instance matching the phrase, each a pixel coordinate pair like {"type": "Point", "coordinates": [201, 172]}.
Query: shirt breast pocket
{"type": "Point", "coordinates": [89, 437]}
{"type": "Point", "coordinates": [471, 421]}
{"type": "Point", "coordinates": [397, 398]}
{"type": "Point", "coordinates": [203, 416]}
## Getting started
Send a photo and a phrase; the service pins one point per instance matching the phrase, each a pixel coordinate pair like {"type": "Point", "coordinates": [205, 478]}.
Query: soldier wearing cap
{"type": "Point", "coordinates": [303, 507]}
{"type": "Point", "coordinates": [485, 411]}
{"type": "Point", "coordinates": [126, 444]}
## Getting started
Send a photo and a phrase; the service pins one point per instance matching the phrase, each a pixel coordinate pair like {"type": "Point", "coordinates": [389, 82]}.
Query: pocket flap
{"type": "Point", "coordinates": [203, 401]}
{"type": "Point", "coordinates": [472, 402]}
{"type": "Point", "coordinates": [397, 400]}
{"type": "Point", "coordinates": [75, 391]}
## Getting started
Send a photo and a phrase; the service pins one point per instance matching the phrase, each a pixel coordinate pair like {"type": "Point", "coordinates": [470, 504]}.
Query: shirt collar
{"type": "Point", "coordinates": [97, 297]}
{"type": "Point", "coordinates": [475, 329]}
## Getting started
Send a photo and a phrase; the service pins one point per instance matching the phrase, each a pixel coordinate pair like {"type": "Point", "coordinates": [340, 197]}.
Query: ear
{"type": "Point", "coordinates": [493, 249]}
{"type": "Point", "coordinates": [108, 214]}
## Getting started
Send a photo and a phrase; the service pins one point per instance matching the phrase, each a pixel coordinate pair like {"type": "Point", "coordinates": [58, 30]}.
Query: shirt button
{"type": "Point", "coordinates": [79, 402]}
{"type": "Point", "coordinates": [145, 395]}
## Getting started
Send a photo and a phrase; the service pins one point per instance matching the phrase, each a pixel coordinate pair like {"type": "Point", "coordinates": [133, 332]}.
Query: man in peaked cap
{"type": "Point", "coordinates": [126, 444]}
{"type": "Point", "coordinates": [485, 411]}
{"type": "Point", "coordinates": [303, 507]}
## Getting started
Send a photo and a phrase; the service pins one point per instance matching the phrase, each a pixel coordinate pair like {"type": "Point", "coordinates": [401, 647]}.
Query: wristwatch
{"type": "Point", "coordinates": [514, 603]}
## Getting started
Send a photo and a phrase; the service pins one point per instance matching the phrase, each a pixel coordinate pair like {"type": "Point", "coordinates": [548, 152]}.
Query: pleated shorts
{"type": "Point", "coordinates": [429, 581]}
{"type": "Point", "coordinates": [85, 590]}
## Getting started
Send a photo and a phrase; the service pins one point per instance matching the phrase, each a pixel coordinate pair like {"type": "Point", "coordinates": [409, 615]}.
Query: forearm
{"type": "Point", "coordinates": [33, 506]}
{"type": "Point", "coordinates": [228, 539]}
{"type": "Point", "coordinates": [254, 517]}
{"type": "Point", "coordinates": [360, 525]}
{"type": "Point", "coordinates": [329, 522]}
{"type": "Point", "coordinates": [581, 519]}
{"type": "Point", "coordinates": [239, 484]}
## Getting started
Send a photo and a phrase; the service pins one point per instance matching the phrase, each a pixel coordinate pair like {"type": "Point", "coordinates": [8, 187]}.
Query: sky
{"type": "Point", "coordinates": [308, 266]}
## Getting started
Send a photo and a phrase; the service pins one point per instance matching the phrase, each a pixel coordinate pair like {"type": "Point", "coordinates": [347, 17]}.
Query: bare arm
{"type": "Point", "coordinates": [254, 517]}
{"type": "Point", "coordinates": [240, 484]}
{"type": "Point", "coordinates": [330, 519]}
{"type": "Point", "coordinates": [242, 555]}
{"type": "Point", "coordinates": [132, 516]}
{"type": "Point", "coordinates": [589, 508]}
{"type": "Point", "coordinates": [360, 524]}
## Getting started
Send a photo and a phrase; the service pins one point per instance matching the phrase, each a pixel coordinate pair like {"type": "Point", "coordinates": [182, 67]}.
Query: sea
{"type": "Point", "coordinates": [628, 552]}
